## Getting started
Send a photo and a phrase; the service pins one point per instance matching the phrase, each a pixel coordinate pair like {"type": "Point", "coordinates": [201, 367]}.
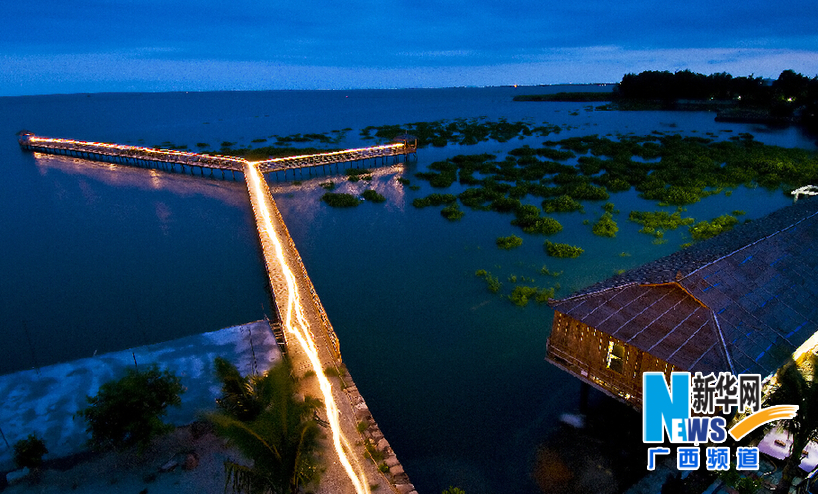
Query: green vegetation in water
{"type": "Point", "coordinates": [340, 200]}
{"type": "Point", "coordinates": [268, 152]}
{"type": "Point", "coordinates": [605, 226]}
{"type": "Point", "coordinates": [452, 212]}
{"type": "Point", "coordinates": [492, 282]}
{"type": "Point", "coordinates": [453, 490]}
{"type": "Point", "coordinates": [609, 207]}
{"type": "Point", "coordinates": [561, 204]}
{"type": "Point", "coordinates": [522, 294]}
{"type": "Point", "coordinates": [299, 138]}
{"type": "Point", "coordinates": [649, 230]}
{"type": "Point", "coordinates": [529, 219]}
{"type": "Point", "coordinates": [373, 196]}
{"type": "Point", "coordinates": [459, 131]}
{"type": "Point", "coordinates": [355, 174]}
{"type": "Point", "coordinates": [509, 242]}
{"type": "Point", "coordinates": [330, 185]}
{"type": "Point", "coordinates": [434, 200]}
{"type": "Point", "coordinates": [403, 181]}
{"type": "Point", "coordinates": [659, 220]}
{"type": "Point", "coordinates": [707, 229]}
{"type": "Point", "coordinates": [545, 271]}
{"type": "Point", "coordinates": [667, 168]}
{"type": "Point", "coordinates": [562, 250]}
{"type": "Point", "coordinates": [677, 195]}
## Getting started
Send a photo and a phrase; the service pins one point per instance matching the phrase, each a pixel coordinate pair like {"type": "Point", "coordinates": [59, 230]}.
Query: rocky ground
{"type": "Point", "coordinates": [189, 460]}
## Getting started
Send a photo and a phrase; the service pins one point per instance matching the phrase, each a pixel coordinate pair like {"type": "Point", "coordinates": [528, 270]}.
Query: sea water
{"type": "Point", "coordinates": [99, 257]}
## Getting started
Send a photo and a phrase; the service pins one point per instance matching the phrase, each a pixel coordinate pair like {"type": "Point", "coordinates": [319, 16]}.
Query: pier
{"type": "Point", "coordinates": [403, 146]}
{"type": "Point", "coordinates": [302, 327]}
{"type": "Point", "coordinates": [170, 159]}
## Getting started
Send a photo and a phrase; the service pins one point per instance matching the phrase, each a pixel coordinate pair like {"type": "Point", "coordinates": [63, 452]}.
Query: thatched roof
{"type": "Point", "coordinates": [742, 301]}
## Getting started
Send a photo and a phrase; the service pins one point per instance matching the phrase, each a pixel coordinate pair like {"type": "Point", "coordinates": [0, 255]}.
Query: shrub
{"type": "Point", "coordinates": [330, 185]}
{"type": "Point", "coordinates": [371, 195]}
{"type": "Point", "coordinates": [279, 436]}
{"type": "Point", "coordinates": [452, 212]}
{"type": "Point", "coordinates": [454, 490]}
{"type": "Point", "coordinates": [659, 219]}
{"type": "Point", "coordinates": [505, 204]}
{"type": "Point", "coordinates": [707, 229]}
{"type": "Point", "coordinates": [522, 294]}
{"type": "Point", "coordinates": [492, 282]}
{"type": "Point", "coordinates": [127, 412]}
{"type": "Point", "coordinates": [562, 250]}
{"type": "Point", "coordinates": [561, 204]}
{"type": "Point", "coordinates": [509, 242]}
{"type": "Point", "coordinates": [354, 172]}
{"type": "Point", "coordinates": [605, 226]}
{"type": "Point", "coordinates": [588, 192]}
{"type": "Point", "coordinates": [29, 452]}
{"type": "Point", "coordinates": [340, 200]}
{"type": "Point", "coordinates": [434, 200]}
{"type": "Point", "coordinates": [529, 219]}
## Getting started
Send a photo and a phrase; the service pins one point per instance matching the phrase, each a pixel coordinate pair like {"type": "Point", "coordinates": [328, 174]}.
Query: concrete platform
{"type": "Point", "coordinates": [45, 402]}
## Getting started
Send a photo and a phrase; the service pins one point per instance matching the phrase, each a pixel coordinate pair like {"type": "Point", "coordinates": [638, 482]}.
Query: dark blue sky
{"type": "Point", "coordinates": [58, 46]}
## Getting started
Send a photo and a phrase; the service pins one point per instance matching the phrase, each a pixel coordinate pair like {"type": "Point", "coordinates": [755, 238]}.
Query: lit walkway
{"type": "Point", "coordinates": [311, 342]}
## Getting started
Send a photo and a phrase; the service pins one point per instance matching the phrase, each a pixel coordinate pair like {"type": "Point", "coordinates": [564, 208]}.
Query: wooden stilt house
{"type": "Point", "coordinates": [741, 302]}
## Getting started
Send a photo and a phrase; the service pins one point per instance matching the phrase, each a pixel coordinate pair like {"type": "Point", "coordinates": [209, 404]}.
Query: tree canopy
{"type": "Point", "coordinates": [128, 411]}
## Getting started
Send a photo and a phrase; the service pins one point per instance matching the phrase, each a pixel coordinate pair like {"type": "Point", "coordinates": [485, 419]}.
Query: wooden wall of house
{"type": "Point", "coordinates": [586, 352]}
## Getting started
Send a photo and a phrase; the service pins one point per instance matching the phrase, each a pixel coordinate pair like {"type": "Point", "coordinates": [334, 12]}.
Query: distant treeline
{"type": "Point", "coordinates": [791, 97]}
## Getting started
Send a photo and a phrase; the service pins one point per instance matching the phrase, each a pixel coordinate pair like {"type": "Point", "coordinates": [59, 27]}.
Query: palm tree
{"type": "Point", "coordinates": [262, 418]}
{"type": "Point", "coordinates": [796, 387]}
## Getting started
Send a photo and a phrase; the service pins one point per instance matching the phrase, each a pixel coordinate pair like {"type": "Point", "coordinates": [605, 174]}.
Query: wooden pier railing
{"type": "Point", "coordinates": [129, 155]}
{"type": "Point", "coordinates": [400, 148]}
{"type": "Point", "coordinates": [150, 157]}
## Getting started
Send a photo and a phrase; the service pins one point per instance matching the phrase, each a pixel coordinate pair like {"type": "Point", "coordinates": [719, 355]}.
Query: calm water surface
{"type": "Point", "coordinates": [99, 257]}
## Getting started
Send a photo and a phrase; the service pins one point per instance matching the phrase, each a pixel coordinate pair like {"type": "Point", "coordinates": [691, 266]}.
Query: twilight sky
{"type": "Point", "coordinates": [59, 46]}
